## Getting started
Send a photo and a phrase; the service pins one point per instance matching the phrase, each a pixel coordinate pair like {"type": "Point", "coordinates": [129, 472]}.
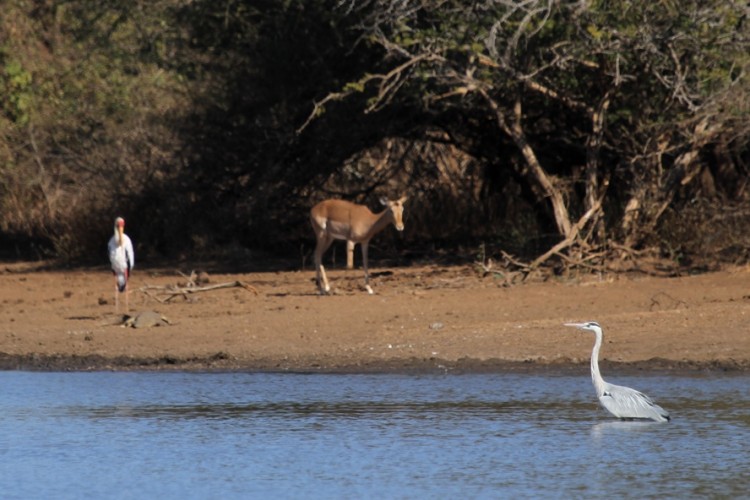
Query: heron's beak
{"type": "Point", "coordinates": [576, 325]}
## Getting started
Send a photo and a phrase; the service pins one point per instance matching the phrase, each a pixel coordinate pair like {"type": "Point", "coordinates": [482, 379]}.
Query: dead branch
{"type": "Point", "coordinates": [166, 293]}
{"type": "Point", "coordinates": [512, 260]}
{"type": "Point", "coordinates": [571, 236]}
{"type": "Point", "coordinates": [626, 251]}
{"type": "Point", "coordinates": [389, 84]}
{"type": "Point", "coordinates": [583, 262]}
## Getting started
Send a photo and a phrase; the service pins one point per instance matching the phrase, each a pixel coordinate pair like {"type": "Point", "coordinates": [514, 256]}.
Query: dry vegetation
{"type": "Point", "coordinates": [549, 137]}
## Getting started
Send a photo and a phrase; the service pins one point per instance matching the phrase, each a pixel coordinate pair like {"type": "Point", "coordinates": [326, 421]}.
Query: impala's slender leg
{"type": "Point", "coordinates": [324, 241]}
{"type": "Point", "coordinates": [349, 254]}
{"type": "Point", "coordinates": [364, 245]}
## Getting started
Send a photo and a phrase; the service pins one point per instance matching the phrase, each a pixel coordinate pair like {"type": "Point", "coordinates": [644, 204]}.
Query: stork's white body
{"type": "Point", "coordinates": [122, 259]}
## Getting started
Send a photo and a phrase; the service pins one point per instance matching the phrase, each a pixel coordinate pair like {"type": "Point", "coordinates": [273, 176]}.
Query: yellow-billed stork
{"type": "Point", "coordinates": [122, 258]}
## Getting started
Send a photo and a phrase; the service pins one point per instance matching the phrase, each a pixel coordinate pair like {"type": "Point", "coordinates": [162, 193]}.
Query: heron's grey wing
{"type": "Point", "coordinates": [624, 402]}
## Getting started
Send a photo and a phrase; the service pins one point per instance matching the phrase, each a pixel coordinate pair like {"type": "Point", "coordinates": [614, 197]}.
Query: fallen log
{"type": "Point", "coordinates": [166, 293]}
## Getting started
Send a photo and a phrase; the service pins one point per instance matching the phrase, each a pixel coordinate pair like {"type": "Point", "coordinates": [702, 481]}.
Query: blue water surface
{"type": "Point", "coordinates": [250, 435]}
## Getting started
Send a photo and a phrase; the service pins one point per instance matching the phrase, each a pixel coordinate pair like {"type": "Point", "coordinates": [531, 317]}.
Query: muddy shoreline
{"type": "Point", "coordinates": [223, 363]}
{"type": "Point", "coordinates": [422, 319]}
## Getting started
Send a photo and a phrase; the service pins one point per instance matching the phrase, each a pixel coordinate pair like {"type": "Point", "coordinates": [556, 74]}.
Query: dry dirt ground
{"type": "Point", "coordinates": [422, 318]}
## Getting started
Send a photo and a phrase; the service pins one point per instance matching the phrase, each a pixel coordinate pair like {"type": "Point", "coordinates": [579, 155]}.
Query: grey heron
{"type": "Point", "coordinates": [122, 258]}
{"type": "Point", "coordinates": [622, 402]}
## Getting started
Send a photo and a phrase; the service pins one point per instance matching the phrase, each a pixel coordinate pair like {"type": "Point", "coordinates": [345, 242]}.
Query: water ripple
{"type": "Point", "coordinates": [260, 436]}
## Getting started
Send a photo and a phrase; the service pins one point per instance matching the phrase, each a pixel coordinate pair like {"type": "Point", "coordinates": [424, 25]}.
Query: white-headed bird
{"type": "Point", "coordinates": [622, 402]}
{"type": "Point", "coordinates": [122, 258]}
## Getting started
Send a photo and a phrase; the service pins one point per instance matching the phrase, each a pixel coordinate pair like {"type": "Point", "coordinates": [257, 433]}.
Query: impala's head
{"type": "Point", "coordinates": [396, 208]}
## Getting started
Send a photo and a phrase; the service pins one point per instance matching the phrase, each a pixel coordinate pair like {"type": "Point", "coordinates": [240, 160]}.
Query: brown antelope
{"type": "Point", "coordinates": [343, 220]}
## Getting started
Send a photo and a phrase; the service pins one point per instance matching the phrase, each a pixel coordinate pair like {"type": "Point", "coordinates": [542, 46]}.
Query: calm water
{"type": "Point", "coordinates": [187, 435]}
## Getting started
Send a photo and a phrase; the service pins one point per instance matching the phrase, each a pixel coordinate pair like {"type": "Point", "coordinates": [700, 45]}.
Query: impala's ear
{"type": "Point", "coordinates": [383, 200]}
{"type": "Point", "coordinates": [403, 199]}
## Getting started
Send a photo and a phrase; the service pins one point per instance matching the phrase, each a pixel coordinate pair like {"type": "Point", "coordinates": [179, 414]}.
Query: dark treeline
{"type": "Point", "coordinates": [577, 132]}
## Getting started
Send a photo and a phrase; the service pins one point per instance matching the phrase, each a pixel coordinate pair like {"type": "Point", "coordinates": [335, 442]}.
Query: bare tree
{"type": "Point", "coordinates": [643, 86]}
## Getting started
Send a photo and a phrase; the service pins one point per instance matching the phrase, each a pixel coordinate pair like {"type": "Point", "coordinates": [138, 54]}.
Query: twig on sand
{"type": "Point", "coordinates": [166, 293]}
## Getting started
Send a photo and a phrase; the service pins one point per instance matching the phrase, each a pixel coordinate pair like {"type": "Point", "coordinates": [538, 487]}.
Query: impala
{"type": "Point", "coordinates": [343, 220]}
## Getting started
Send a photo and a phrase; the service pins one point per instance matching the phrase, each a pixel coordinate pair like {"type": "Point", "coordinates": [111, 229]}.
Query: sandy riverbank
{"type": "Point", "coordinates": [422, 318]}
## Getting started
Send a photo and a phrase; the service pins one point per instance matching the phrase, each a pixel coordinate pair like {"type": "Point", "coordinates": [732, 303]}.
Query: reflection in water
{"type": "Point", "coordinates": [332, 410]}
{"type": "Point", "coordinates": [324, 436]}
{"type": "Point", "coordinates": [602, 429]}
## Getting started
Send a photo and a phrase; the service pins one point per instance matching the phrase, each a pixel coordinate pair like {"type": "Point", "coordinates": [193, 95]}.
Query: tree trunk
{"type": "Point", "coordinates": [593, 146]}
{"type": "Point", "coordinates": [641, 214]}
{"type": "Point", "coordinates": [539, 175]}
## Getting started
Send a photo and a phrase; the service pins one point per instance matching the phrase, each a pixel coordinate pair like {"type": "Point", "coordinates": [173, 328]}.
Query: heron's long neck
{"type": "Point", "coordinates": [596, 376]}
